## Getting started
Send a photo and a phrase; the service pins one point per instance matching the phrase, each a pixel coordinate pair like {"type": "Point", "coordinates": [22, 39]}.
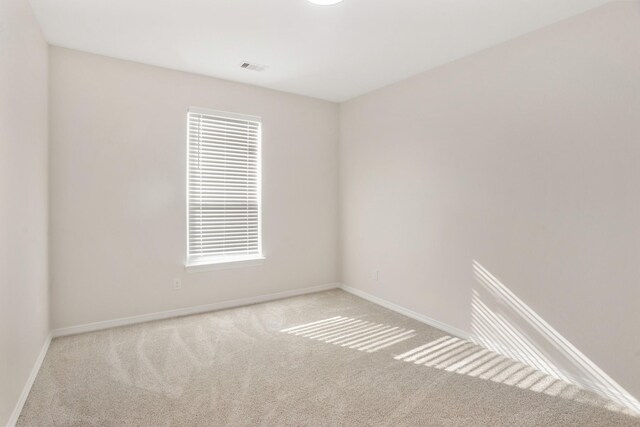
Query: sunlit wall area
{"type": "Point", "coordinates": [504, 323]}
{"type": "Point", "coordinates": [523, 158]}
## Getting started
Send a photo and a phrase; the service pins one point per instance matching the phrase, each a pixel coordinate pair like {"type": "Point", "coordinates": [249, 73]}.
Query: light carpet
{"type": "Point", "coordinates": [326, 359]}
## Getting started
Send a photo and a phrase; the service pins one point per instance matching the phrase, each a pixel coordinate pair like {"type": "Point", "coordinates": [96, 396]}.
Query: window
{"type": "Point", "coordinates": [223, 187]}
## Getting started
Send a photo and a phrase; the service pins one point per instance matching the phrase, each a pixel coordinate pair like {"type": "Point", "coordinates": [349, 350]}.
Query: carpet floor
{"type": "Point", "coordinates": [326, 359]}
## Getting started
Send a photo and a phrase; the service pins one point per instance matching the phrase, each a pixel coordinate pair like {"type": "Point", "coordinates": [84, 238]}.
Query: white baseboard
{"type": "Point", "coordinates": [581, 382]}
{"type": "Point", "coordinates": [106, 324]}
{"type": "Point", "coordinates": [616, 394]}
{"type": "Point", "coordinates": [405, 311]}
{"type": "Point", "coordinates": [27, 387]}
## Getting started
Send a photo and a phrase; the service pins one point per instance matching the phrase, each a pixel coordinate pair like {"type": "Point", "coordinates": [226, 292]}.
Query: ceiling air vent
{"type": "Point", "coordinates": [253, 67]}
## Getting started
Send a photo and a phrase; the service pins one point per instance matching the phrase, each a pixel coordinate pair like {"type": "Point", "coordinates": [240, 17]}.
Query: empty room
{"type": "Point", "coordinates": [319, 213]}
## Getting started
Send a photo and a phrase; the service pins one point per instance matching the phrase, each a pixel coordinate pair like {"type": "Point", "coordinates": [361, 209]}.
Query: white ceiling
{"type": "Point", "coordinates": [329, 52]}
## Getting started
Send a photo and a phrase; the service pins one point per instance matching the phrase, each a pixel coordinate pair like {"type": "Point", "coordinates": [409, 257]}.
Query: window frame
{"type": "Point", "coordinates": [215, 262]}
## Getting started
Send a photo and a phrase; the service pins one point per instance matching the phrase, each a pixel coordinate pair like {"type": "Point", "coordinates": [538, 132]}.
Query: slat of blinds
{"type": "Point", "coordinates": [227, 228]}
{"type": "Point", "coordinates": [213, 138]}
{"type": "Point", "coordinates": [215, 174]}
{"type": "Point", "coordinates": [207, 168]}
{"type": "Point", "coordinates": [208, 250]}
{"type": "Point", "coordinates": [220, 216]}
{"type": "Point", "coordinates": [219, 241]}
{"type": "Point", "coordinates": [221, 181]}
{"type": "Point", "coordinates": [197, 130]}
{"type": "Point", "coordinates": [231, 206]}
{"type": "Point", "coordinates": [238, 147]}
{"type": "Point", "coordinates": [223, 201]}
{"type": "Point", "coordinates": [229, 209]}
{"type": "Point", "coordinates": [197, 153]}
{"type": "Point", "coordinates": [205, 126]}
{"type": "Point", "coordinates": [222, 254]}
{"type": "Point", "coordinates": [208, 159]}
{"type": "Point", "coordinates": [222, 121]}
{"type": "Point", "coordinates": [226, 240]}
{"type": "Point", "coordinates": [226, 179]}
{"type": "Point", "coordinates": [223, 228]}
{"type": "Point", "coordinates": [211, 221]}
{"type": "Point", "coordinates": [225, 254]}
{"type": "Point", "coordinates": [246, 222]}
{"type": "Point", "coordinates": [222, 194]}
{"type": "Point", "coordinates": [239, 142]}
{"type": "Point", "coordinates": [223, 235]}
{"type": "Point", "coordinates": [218, 207]}
{"type": "Point", "coordinates": [203, 158]}
{"type": "Point", "coordinates": [216, 152]}
{"type": "Point", "coordinates": [217, 251]}
{"type": "Point", "coordinates": [220, 190]}
{"type": "Point", "coordinates": [221, 197]}
{"type": "Point", "coordinates": [241, 246]}
{"type": "Point", "coordinates": [232, 211]}
{"type": "Point", "coordinates": [233, 132]}
{"type": "Point", "coordinates": [222, 164]}
{"type": "Point", "coordinates": [204, 218]}
{"type": "Point", "coordinates": [199, 232]}
{"type": "Point", "coordinates": [230, 228]}
{"type": "Point", "coordinates": [222, 137]}
{"type": "Point", "coordinates": [223, 210]}
{"type": "Point", "coordinates": [235, 179]}
{"type": "Point", "coordinates": [228, 149]}
{"type": "Point", "coordinates": [223, 186]}
{"type": "Point", "coordinates": [228, 220]}
{"type": "Point", "coordinates": [225, 168]}
{"type": "Point", "coordinates": [247, 232]}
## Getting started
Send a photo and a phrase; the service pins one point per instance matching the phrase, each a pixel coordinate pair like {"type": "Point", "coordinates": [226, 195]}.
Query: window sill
{"type": "Point", "coordinates": [196, 267]}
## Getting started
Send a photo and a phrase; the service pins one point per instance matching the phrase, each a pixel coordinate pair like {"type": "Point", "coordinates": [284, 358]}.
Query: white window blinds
{"type": "Point", "coordinates": [223, 190]}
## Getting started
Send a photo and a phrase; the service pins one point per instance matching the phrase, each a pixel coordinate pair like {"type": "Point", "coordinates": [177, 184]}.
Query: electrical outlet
{"type": "Point", "coordinates": [177, 284]}
{"type": "Point", "coordinates": [375, 275]}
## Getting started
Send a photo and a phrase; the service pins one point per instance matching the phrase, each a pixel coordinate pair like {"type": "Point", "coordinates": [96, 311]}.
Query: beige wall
{"type": "Point", "coordinates": [24, 290]}
{"type": "Point", "coordinates": [118, 135]}
{"type": "Point", "coordinates": [525, 158]}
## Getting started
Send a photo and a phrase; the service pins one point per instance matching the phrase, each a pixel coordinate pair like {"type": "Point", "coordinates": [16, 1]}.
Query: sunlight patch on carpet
{"type": "Point", "coordinates": [456, 355]}
{"type": "Point", "coordinates": [352, 333]}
